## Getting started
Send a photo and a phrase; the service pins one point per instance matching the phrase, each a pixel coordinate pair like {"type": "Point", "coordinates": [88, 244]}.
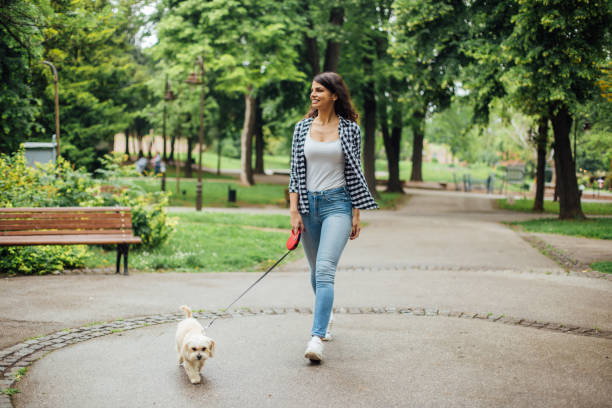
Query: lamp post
{"type": "Point", "coordinates": [168, 97]}
{"type": "Point", "coordinates": [585, 127]}
{"type": "Point", "coordinates": [194, 80]}
{"type": "Point", "coordinates": [57, 126]}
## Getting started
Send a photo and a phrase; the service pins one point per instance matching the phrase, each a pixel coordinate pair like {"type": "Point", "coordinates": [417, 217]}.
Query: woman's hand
{"type": "Point", "coordinates": [296, 222]}
{"type": "Point", "coordinates": [356, 225]}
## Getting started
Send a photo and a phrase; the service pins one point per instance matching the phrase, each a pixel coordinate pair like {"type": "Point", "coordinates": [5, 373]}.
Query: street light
{"type": "Point", "coordinates": [194, 80]}
{"type": "Point", "coordinates": [168, 97]}
{"type": "Point", "coordinates": [57, 127]}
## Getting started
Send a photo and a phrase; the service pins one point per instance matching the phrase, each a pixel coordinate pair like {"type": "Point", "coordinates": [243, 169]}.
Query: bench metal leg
{"type": "Point", "coordinates": [122, 249]}
{"type": "Point", "coordinates": [125, 259]}
{"type": "Point", "coordinates": [118, 270]}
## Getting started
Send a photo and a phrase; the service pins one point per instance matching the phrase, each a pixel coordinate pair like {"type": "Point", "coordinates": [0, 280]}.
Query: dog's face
{"type": "Point", "coordinates": [198, 348]}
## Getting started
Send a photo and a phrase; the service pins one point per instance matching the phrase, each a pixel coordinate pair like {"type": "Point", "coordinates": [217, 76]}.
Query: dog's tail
{"type": "Point", "coordinates": [187, 311]}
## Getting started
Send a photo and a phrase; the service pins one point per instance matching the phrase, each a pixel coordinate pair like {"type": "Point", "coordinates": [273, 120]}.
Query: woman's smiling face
{"type": "Point", "coordinates": [320, 96]}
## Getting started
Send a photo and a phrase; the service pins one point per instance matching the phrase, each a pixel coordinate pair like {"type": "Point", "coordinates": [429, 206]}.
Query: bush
{"type": "Point", "coordinates": [150, 220]}
{"type": "Point", "coordinates": [46, 185]}
{"type": "Point", "coordinates": [61, 185]}
{"type": "Point", "coordinates": [40, 260]}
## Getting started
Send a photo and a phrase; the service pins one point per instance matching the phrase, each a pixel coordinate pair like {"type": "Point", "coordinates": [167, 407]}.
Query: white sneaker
{"type": "Point", "coordinates": [328, 334]}
{"type": "Point", "coordinates": [314, 350]}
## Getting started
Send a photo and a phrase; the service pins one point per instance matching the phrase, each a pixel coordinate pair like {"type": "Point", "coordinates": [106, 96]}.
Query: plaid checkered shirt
{"type": "Point", "coordinates": [350, 139]}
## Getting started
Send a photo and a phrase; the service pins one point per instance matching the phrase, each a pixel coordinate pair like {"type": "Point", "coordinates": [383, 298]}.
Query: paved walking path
{"type": "Point", "coordinates": [438, 304]}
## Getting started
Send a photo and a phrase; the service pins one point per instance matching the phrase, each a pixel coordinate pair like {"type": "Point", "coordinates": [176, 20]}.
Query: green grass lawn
{"type": "Point", "coordinates": [442, 173]}
{"type": "Point", "coordinates": [209, 159]}
{"type": "Point", "coordinates": [525, 205]}
{"type": "Point", "coordinates": [209, 242]}
{"type": "Point", "coordinates": [600, 228]}
{"type": "Point", "coordinates": [605, 267]}
{"type": "Point", "coordinates": [215, 193]}
{"type": "Point", "coordinates": [171, 173]}
{"type": "Point", "coordinates": [435, 172]}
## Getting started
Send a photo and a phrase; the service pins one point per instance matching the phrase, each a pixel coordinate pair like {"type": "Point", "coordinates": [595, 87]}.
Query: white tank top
{"type": "Point", "coordinates": [324, 164]}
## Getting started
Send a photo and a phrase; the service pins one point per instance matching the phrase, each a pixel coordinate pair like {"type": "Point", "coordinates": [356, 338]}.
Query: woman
{"type": "Point", "coordinates": [326, 191]}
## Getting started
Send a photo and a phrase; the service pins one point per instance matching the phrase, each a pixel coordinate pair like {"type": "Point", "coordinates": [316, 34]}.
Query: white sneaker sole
{"type": "Point", "coordinates": [312, 356]}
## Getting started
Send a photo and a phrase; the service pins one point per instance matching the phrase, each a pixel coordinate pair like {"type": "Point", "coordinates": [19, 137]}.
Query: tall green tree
{"type": "Point", "coordinates": [556, 48]}
{"type": "Point", "coordinates": [427, 47]}
{"type": "Point", "coordinates": [21, 27]}
{"type": "Point", "coordinates": [391, 86]}
{"type": "Point", "coordinates": [89, 43]}
{"type": "Point", "coordinates": [246, 44]}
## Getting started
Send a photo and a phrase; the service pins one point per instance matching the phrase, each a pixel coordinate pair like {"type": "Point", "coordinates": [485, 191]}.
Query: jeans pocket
{"type": "Point", "coordinates": [340, 196]}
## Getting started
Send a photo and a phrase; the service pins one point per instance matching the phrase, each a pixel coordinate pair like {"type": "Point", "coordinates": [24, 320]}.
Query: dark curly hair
{"type": "Point", "coordinates": [343, 105]}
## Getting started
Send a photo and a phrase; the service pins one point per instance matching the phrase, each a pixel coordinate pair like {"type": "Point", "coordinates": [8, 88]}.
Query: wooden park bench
{"type": "Point", "coordinates": [69, 226]}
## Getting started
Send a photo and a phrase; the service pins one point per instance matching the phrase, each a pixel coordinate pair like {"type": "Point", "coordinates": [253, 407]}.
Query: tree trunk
{"type": "Point", "coordinates": [189, 163]}
{"type": "Point", "coordinates": [140, 142]}
{"type": "Point", "coordinates": [246, 141]}
{"type": "Point", "coordinates": [541, 142]}
{"type": "Point", "coordinates": [557, 172]}
{"type": "Point", "coordinates": [393, 154]}
{"type": "Point", "coordinates": [418, 130]}
{"type": "Point", "coordinates": [164, 134]}
{"type": "Point", "coordinates": [369, 153]}
{"type": "Point", "coordinates": [392, 146]}
{"type": "Point", "coordinates": [332, 52]}
{"type": "Point", "coordinates": [312, 49]}
{"type": "Point", "coordinates": [569, 199]}
{"type": "Point", "coordinates": [127, 143]}
{"type": "Point", "coordinates": [172, 141]}
{"type": "Point", "coordinates": [259, 141]}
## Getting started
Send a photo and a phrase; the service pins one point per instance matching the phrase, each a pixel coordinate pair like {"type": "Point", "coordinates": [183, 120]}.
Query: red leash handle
{"type": "Point", "coordinates": [294, 240]}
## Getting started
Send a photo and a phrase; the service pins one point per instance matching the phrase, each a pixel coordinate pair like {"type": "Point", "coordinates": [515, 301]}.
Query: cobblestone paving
{"type": "Point", "coordinates": [20, 356]}
{"type": "Point", "coordinates": [568, 266]}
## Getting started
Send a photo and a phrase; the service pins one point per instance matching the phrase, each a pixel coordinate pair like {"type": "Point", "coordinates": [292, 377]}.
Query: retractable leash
{"type": "Point", "coordinates": [292, 243]}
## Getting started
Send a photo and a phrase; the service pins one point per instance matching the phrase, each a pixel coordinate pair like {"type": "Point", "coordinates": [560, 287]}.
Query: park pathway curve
{"type": "Point", "coordinates": [438, 305]}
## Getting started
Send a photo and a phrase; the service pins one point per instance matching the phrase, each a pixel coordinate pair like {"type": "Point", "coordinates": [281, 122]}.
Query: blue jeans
{"type": "Point", "coordinates": [326, 230]}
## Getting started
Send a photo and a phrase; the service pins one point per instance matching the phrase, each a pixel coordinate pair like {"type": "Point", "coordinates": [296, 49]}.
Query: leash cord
{"type": "Point", "coordinates": [249, 288]}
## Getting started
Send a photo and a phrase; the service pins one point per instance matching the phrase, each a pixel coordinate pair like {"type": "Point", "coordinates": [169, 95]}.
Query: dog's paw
{"type": "Point", "coordinates": [195, 380]}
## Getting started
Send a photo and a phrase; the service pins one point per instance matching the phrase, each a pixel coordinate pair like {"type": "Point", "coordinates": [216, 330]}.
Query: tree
{"type": "Point", "coordinates": [89, 42]}
{"type": "Point", "coordinates": [390, 87]}
{"type": "Point", "coordinates": [21, 25]}
{"type": "Point", "coordinates": [556, 48]}
{"type": "Point", "coordinates": [427, 46]}
{"type": "Point", "coordinates": [246, 44]}
{"type": "Point", "coordinates": [324, 21]}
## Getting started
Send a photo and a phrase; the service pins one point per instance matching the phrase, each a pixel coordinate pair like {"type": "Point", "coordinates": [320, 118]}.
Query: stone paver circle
{"type": "Point", "coordinates": [22, 355]}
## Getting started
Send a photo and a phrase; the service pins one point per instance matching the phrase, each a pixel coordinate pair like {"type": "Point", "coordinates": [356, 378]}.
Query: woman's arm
{"type": "Point", "coordinates": [296, 218]}
{"type": "Point", "coordinates": [293, 176]}
{"type": "Point", "coordinates": [356, 224]}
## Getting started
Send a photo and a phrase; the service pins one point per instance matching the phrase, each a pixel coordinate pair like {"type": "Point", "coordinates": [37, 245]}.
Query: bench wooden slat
{"type": "Point", "coordinates": [27, 225]}
{"type": "Point", "coordinates": [69, 226]}
{"type": "Point", "coordinates": [69, 240]}
{"type": "Point", "coordinates": [63, 216]}
{"type": "Point", "coordinates": [63, 209]}
{"type": "Point", "coordinates": [64, 232]}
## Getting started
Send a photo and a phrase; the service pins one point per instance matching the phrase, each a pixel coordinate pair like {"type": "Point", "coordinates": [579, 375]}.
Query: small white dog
{"type": "Point", "coordinates": [192, 345]}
